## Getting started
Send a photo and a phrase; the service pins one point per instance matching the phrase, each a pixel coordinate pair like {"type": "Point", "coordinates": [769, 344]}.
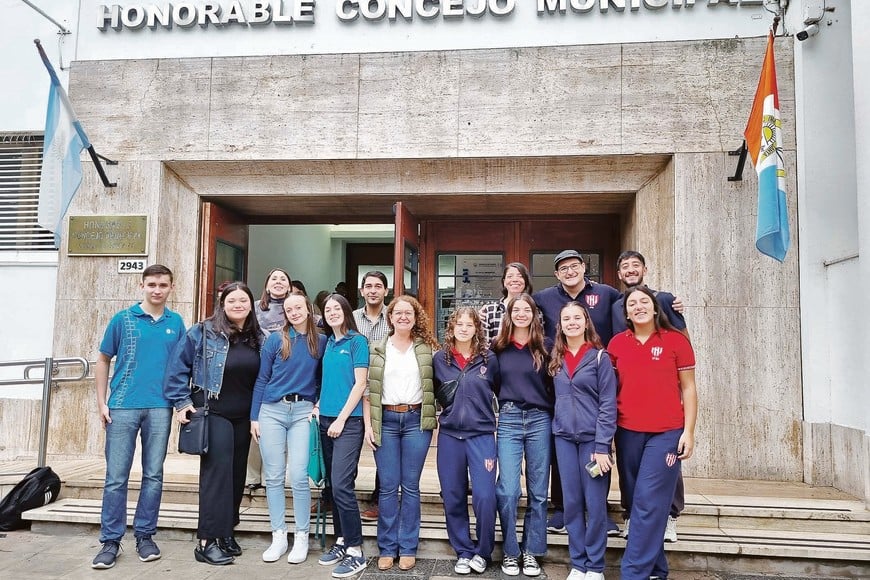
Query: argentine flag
{"type": "Point", "coordinates": [61, 156]}
{"type": "Point", "coordinates": [764, 143]}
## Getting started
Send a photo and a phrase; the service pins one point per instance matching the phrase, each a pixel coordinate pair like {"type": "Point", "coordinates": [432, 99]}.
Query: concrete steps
{"type": "Point", "coordinates": [727, 526]}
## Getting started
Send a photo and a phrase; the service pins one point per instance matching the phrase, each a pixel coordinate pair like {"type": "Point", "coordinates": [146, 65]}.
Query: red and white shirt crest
{"type": "Point", "coordinates": [591, 300]}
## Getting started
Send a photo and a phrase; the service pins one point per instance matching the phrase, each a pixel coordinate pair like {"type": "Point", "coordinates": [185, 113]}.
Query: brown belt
{"type": "Point", "coordinates": [403, 408]}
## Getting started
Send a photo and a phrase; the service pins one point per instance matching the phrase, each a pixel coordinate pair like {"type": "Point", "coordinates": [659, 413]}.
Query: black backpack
{"type": "Point", "coordinates": [38, 488]}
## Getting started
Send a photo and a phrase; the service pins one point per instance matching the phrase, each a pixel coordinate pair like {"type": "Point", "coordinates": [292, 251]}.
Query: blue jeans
{"type": "Point", "coordinates": [341, 456]}
{"type": "Point", "coordinates": [523, 435]}
{"type": "Point", "coordinates": [154, 425]}
{"type": "Point", "coordinates": [400, 460]}
{"type": "Point", "coordinates": [284, 431]}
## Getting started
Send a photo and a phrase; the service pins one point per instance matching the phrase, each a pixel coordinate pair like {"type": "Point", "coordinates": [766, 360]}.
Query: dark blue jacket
{"type": "Point", "coordinates": [597, 298]}
{"type": "Point", "coordinates": [472, 410]}
{"type": "Point", "coordinates": [666, 303]}
{"type": "Point", "coordinates": [586, 402]}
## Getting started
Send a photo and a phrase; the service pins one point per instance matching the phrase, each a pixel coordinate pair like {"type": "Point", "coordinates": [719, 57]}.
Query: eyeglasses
{"type": "Point", "coordinates": [575, 267]}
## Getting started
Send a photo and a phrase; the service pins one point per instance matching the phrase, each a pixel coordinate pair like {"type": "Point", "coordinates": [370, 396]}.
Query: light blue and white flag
{"type": "Point", "coordinates": [61, 156]}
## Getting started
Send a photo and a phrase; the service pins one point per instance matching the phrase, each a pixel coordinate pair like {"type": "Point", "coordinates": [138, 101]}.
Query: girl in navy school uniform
{"type": "Point", "coordinates": [524, 429]}
{"type": "Point", "coordinates": [466, 439]}
{"type": "Point", "coordinates": [583, 426]}
{"type": "Point", "coordinates": [657, 405]}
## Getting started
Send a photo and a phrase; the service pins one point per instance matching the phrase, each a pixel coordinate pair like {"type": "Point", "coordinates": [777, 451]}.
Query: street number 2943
{"type": "Point", "coordinates": [130, 266]}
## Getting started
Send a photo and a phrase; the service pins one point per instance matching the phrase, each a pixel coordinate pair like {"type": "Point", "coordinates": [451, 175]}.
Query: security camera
{"type": "Point", "coordinates": [810, 30]}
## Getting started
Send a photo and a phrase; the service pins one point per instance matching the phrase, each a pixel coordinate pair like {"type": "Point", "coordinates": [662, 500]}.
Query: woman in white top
{"type": "Point", "coordinates": [402, 401]}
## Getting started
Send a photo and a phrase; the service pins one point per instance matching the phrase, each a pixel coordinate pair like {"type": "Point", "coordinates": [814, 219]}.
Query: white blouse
{"type": "Point", "coordinates": [402, 383]}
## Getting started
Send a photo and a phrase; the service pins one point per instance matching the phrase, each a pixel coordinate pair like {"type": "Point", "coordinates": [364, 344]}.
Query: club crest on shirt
{"type": "Point", "coordinates": [489, 464]}
{"type": "Point", "coordinates": [591, 300]}
{"type": "Point", "coordinates": [670, 459]}
{"type": "Point", "coordinates": [482, 370]}
{"type": "Point", "coordinates": [656, 352]}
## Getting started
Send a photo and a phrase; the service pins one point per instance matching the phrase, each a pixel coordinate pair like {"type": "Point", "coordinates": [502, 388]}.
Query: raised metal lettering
{"type": "Point", "coordinates": [234, 14]}
{"type": "Point", "coordinates": [133, 16]}
{"type": "Point", "coordinates": [425, 8]}
{"type": "Point", "coordinates": [379, 11]}
{"type": "Point", "coordinates": [501, 7]}
{"type": "Point", "coordinates": [210, 13]}
{"type": "Point", "coordinates": [655, 4]}
{"type": "Point", "coordinates": [109, 16]}
{"type": "Point", "coordinates": [261, 13]}
{"type": "Point", "coordinates": [346, 10]}
{"type": "Point", "coordinates": [475, 10]}
{"type": "Point", "coordinates": [304, 12]}
{"type": "Point", "coordinates": [452, 9]}
{"type": "Point", "coordinates": [403, 8]}
{"type": "Point", "coordinates": [184, 15]}
{"type": "Point", "coordinates": [618, 5]}
{"type": "Point", "coordinates": [160, 15]}
{"type": "Point", "coordinates": [582, 5]}
{"type": "Point", "coordinates": [552, 6]}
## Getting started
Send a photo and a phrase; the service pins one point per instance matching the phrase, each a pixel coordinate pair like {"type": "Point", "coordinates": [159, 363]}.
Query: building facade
{"type": "Point", "coordinates": [507, 131]}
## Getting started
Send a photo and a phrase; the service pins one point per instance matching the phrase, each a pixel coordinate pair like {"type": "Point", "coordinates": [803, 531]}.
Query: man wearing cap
{"type": "Point", "coordinates": [575, 286]}
{"type": "Point", "coordinates": [598, 299]}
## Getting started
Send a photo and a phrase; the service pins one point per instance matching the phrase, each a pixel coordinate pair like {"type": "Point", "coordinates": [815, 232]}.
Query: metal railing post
{"type": "Point", "coordinates": [46, 406]}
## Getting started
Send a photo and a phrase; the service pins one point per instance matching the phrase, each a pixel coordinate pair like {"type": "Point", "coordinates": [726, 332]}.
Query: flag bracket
{"type": "Point", "coordinates": [96, 157]}
{"type": "Point", "coordinates": [738, 171]}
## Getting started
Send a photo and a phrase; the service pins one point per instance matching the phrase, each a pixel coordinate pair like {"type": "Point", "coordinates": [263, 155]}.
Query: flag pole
{"type": "Point", "coordinates": [95, 157]}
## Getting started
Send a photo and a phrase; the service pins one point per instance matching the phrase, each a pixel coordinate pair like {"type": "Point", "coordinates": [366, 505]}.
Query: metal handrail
{"type": "Point", "coordinates": [50, 369]}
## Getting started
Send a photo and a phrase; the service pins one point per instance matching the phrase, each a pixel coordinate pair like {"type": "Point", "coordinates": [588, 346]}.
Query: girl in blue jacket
{"type": "Point", "coordinates": [466, 438]}
{"type": "Point", "coordinates": [287, 387]}
{"type": "Point", "coordinates": [584, 423]}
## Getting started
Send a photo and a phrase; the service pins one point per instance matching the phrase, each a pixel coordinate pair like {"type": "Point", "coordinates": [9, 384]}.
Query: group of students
{"type": "Point", "coordinates": [519, 379]}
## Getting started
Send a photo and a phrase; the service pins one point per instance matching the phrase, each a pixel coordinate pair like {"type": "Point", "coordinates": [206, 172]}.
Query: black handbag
{"type": "Point", "coordinates": [446, 391]}
{"type": "Point", "coordinates": [193, 435]}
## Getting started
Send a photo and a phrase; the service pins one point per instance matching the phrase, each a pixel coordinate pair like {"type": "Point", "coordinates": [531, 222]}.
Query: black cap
{"type": "Point", "coordinates": [565, 254]}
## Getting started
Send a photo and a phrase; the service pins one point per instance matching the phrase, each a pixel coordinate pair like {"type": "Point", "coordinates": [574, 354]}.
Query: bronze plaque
{"type": "Point", "coordinates": [108, 235]}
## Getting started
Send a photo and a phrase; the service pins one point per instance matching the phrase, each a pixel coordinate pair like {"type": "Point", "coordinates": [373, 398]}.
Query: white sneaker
{"type": "Point", "coordinates": [462, 567]}
{"type": "Point", "coordinates": [625, 529]}
{"type": "Point", "coordinates": [671, 530]}
{"type": "Point", "coordinates": [478, 564]}
{"type": "Point", "coordinates": [576, 574]}
{"type": "Point", "coordinates": [594, 576]}
{"type": "Point", "coordinates": [299, 553]}
{"type": "Point", "coordinates": [278, 547]}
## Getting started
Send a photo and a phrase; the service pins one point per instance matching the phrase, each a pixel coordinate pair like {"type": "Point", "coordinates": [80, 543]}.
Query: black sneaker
{"type": "Point", "coordinates": [230, 546]}
{"type": "Point", "coordinates": [147, 549]}
{"type": "Point", "coordinates": [107, 555]}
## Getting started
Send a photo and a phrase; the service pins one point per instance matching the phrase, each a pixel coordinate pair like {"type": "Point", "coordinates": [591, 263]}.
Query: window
{"type": "Point", "coordinates": [466, 280]}
{"type": "Point", "coordinates": [20, 166]}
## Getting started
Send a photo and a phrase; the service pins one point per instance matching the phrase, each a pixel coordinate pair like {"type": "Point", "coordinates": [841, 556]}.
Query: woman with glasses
{"type": "Point", "coordinates": [402, 399]}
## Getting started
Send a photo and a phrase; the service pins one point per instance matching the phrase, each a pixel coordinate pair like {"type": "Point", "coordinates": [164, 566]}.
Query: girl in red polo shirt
{"type": "Point", "coordinates": [657, 404]}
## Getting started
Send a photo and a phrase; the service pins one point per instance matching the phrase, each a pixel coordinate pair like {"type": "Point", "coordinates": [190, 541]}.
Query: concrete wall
{"type": "Point", "coordinates": [829, 107]}
{"type": "Point", "coordinates": [491, 104]}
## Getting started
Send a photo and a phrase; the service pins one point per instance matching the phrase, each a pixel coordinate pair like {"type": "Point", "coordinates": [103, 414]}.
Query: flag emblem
{"type": "Point", "coordinates": [591, 300]}
{"type": "Point", "coordinates": [61, 156]}
{"type": "Point", "coordinates": [763, 135]}
{"type": "Point", "coordinates": [670, 459]}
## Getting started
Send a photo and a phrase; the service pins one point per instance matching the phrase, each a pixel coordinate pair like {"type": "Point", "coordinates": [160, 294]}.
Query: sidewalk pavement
{"type": "Point", "coordinates": [26, 555]}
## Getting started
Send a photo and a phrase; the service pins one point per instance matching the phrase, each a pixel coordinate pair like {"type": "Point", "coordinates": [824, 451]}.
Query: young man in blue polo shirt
{"type": "Point", "coordinates": [598, 299]}
{"type": "Point", "coordinates": [140, 338]}
{"type": "Point", "coordinates": [631, 269]}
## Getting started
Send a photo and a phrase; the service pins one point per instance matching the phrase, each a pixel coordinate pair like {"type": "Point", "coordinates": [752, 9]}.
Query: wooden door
{"type": "Point", "coordinates": [406, 257]}
{"type": "Point", "coordinates": [224, 251]}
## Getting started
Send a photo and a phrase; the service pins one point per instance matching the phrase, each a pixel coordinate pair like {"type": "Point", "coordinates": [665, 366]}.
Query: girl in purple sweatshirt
{"type": "Point", "coordinates": [584, 423]}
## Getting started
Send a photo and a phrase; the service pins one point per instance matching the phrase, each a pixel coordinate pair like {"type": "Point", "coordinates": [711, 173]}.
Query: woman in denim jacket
{"type": "Point", "coordinates": [232, 343]}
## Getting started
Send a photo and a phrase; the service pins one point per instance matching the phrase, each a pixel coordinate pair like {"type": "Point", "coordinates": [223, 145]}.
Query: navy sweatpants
{"type": "Point", "coordinates": [648, 470]}
{"type": "Point", "coordinates": [585, 502]}
{"type": "Point", "coordinates": [457, 460]}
